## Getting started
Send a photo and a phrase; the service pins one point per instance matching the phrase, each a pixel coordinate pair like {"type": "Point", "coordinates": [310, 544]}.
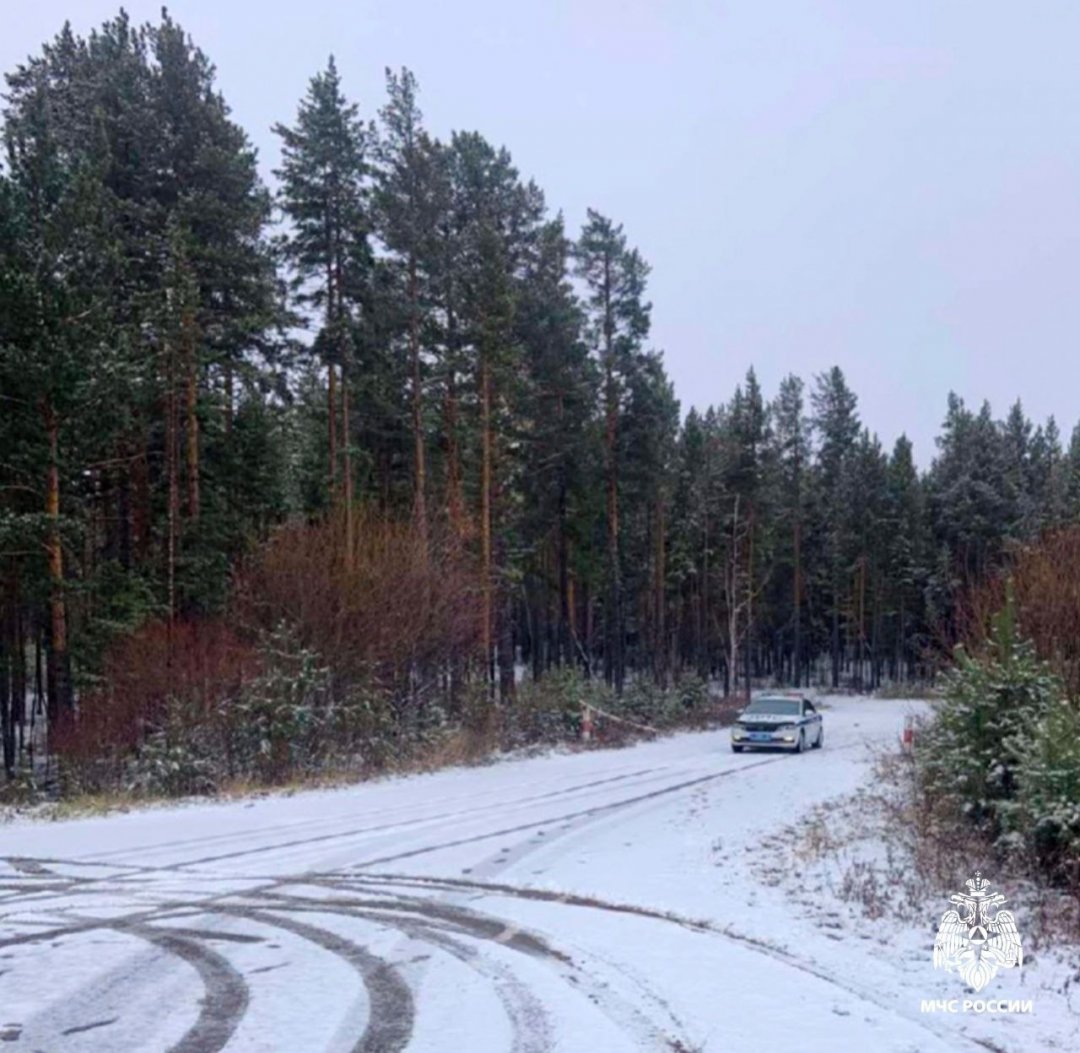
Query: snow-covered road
{"type": "Point", "coordinates": [598, 901]}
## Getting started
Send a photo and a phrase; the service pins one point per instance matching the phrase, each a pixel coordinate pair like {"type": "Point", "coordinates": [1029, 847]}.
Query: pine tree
{"type": "Point", "coordinates": [136, 227]}
{"type": "Point", "coordinates": [456, 381]}
{"type": "Point", "coordinates": [55, 219]}
{"type": "Point", "coordinates": [214, 297]}
{"type": "Point", "coordinates": [618, 323]}
{"type": "Point", "coordinates": [648, 430]}
{"type": "Point", "coordinates": [837, 425]}
{"type": "Point", "coordinates": [905, 541]}
{"type": "Point", "coordinates": [324, 194]}
{"type": "Point", "coordinates": [695, 504]}
{"type": "Point", "coordinates": [408, 201]}
{"type": "Point", "coordinates": [497, 221]}
{"type": "Point", "coordinates": [555, 431]}
{"type": "Point", "coordinates": [791, 457]}
{"type": "Point", "coordinates": [866, 495]}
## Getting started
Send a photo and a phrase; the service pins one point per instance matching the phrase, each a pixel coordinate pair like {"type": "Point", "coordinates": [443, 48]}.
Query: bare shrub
{"type": "Point", "coordinates": [401, 614]}
{"type": "Point", "coordinates": [1045, 582]}
{"type": "Point", "coordinates": [160, 677]}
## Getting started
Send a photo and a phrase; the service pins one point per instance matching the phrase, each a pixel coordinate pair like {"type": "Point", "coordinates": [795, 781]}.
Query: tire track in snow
{"type": "Point", "coordinates": [702, 926]}
{"type": "Point", "coordinates": [391, 1013]}
{"type": "Point", "coordinates": [135, 870]}
{"type": "Point", "coordinates": [529, 1020]}
{"type": "Point", "coordinates": [226, 992]}
{"type": "Point", "coordinates": [428, 920]}
{"type": "Point", "coordinates": [226, 995]}
{"type": "Point", "coordinates": [527, 1017]}
{"type": "Point", "coordinates": [307, 824]}
{"type": "Point", "coordinates": [441, 819]}
{"type": "Point", "coordinates": [498, 806]}
{"type": "Point", "coordinates": [592, 810]}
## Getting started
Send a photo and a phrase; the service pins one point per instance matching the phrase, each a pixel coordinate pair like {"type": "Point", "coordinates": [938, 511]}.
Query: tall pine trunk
{"type": "Point", "coordinates": [347, 473]}
{"type": "Point", "coordinates": [331, 401]}
{"type": "Point", "coordinates": [140, 508]}
{"type": "Point", "coordinates": [191, 404]}
{"type": "Point", "coordinates": [731, 675]}
{"type": "Point", "coordinates": [613, 649]}
{"type": "Point", "coordinates": [487, 597]}
{"type": "Point", "coordinates": [862, 621]}
{"type": "Point", "coordinates": [58, 660]}
{"type": "Point", "coordinates": [747, 644]}
{"type": "Point", "coordinates": [419, 462]}
{"type": "Point", "coordinates": [797, 600]}
{"type": "Point", "coordinates": [704, 659]}
{"type": "Point", "coordinates": [901, 671]}
{"type": "Point", "coordinates": [172, 469]}
{"type": "Point", "coordinates": [455, 496]}
{"type": "Point", "coordinates": [505, 646]}
{"type": "Point", "coordinates": [19, 685]}
{"type": "Point", "coordinates": [659, 598]}
{"type": "Point", "coordinates": [835, 634]}
{"type": "Point", "coordinates": [564, 647]}
{"type": "Point", "coordinates": [332, 338]}
{"type": "Point", "coordinates": [7, 699]}
{"type": "Point", "coordinates": [613, 644]}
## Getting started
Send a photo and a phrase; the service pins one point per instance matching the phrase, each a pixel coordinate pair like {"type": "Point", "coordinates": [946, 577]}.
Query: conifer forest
{"type": "Point", "coordinates": [303, 468]}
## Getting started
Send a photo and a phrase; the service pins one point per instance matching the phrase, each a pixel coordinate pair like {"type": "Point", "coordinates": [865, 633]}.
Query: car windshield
{"type": "Point", "coordinates": [787, 707]}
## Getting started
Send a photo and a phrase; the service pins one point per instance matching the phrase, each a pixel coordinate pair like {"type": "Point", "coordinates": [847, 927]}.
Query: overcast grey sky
{"type": "Point", "coordinates": [890, 186]}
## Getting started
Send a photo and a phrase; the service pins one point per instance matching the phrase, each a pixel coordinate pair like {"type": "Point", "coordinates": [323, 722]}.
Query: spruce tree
{"type": "Point", "coordinates": [837, 426]}
{"type": "Point", "coordinates": [905, 552]}
{"type": "Point", "coordinates": [1071, 471]}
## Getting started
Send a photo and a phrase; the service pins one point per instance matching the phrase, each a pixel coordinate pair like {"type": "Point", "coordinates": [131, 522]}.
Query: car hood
{"type": "Point", "coordinates": [767, 718]}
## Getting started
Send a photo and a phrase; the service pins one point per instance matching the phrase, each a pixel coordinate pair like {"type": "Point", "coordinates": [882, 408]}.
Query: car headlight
{"type": "Point", "coordinates": [737, 733]}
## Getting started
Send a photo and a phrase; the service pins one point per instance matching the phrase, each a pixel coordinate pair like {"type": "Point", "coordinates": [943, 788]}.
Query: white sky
{"type": "Point", "coordinates": [892, 187]}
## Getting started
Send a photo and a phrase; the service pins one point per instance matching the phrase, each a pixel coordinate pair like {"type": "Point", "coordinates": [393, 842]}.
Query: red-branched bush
{"type": "Point", "coordinates": [182, 671]}
{"type": "Point", "coordinates": [1045, 577]}
{"type": "Point", "coordinates": [403, 607]}
{"type": "Point", "coordinates": [394, 625]}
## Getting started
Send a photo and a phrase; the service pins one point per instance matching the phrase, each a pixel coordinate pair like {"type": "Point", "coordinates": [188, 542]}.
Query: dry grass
{"type": "Point", "coordinates": [894, 851]}
{"type": "Point", "coordinates": [488, 740]}
{"type": "Point", "coordinates": [914, 691]}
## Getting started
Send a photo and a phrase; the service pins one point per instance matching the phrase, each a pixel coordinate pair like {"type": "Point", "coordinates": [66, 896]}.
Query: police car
{"type": "Point", "coordinates": [778, 721]}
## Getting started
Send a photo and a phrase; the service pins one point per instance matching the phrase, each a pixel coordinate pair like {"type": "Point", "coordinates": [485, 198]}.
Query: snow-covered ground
{"type": "Point", "coordinates": [603, 901]}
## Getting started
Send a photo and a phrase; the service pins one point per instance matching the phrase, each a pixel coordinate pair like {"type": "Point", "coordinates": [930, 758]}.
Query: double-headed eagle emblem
{"type": "Point", "coordinates": [976, 939]}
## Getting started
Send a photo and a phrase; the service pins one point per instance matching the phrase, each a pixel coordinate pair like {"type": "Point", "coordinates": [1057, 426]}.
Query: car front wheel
{"type": "Point", "coordinates": [800, 742]}
{"type": "Point", "coordinates": [736, 749]}
{"type": "Point", "coordinates": [820, 739]}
